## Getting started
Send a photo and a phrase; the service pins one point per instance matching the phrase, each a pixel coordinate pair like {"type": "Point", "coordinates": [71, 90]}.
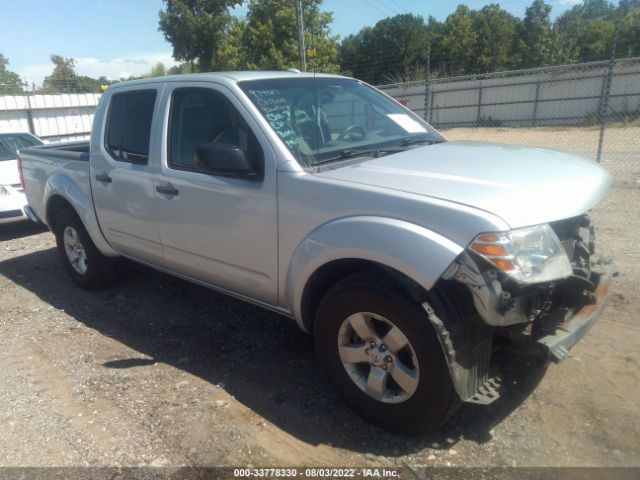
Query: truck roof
{"type": "Point", "coordinates": [225, 76]}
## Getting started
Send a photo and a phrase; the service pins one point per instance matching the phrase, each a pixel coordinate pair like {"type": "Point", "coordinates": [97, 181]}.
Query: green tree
{"type": "Point", "coordinates": [10, 82]}
{"type": "Point", "coordinates": [460, 40]}
{"type": "Point", "coordinates": [539, 42]}
{"type": "Point", "coordinates": [232, 53]}
{"type": "Point", "coordinates": [158, 70]}
{"type": "Point", "coordinates": [182, 68]}
{"type": "Point", "coordinates": [592, 9]}
{"type": "Point", "coordinates": [86, 84]}
{"type": "Point", "coordinates": [496, 38]}
{"type": "Point", "coordinates": [435, 34]}
{"type": "Point", "coordinates": [626, 6]}
{"type": "Point", "coordinates": [64, 78]}
{"type": "Point", "coordinates": [196, 29]}
{"type": "Point", "coordinates": [587, 29]}
{"type": "Point", "coordinates": [395, 49]}
{"type": "Point", "coordinates": [358, 56]}
{"type": "Point", "coordinates": [271, 41]}
{"type": "Point", "coordinates": [630, 33]}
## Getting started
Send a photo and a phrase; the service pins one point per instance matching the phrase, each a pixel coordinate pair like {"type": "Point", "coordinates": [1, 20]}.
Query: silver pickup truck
{"type": "Point", "coordinates": [407, 256]}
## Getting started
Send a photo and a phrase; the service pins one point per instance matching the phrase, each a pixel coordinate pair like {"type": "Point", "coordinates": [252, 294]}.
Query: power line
{"type": "Point", "coordinates": [399, 6]}
{"type": "Point", "coordinates": [384, 5]}
{"type": "Point", "coordinates": [374, 7]}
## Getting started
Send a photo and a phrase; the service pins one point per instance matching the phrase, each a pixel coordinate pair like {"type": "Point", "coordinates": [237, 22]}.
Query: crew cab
{"type": "Point", "coordinates": [407, 257]}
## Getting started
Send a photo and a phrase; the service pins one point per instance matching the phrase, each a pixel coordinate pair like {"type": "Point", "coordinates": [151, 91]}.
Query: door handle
{"type": "Point", "coordinates": [167, 190]}
{"type": "Point", "coordinates": [103, 177]}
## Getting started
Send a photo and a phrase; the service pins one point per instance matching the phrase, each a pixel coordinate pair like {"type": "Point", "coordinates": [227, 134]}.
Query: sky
{"type": "Point", "coordinates": [119, 38]}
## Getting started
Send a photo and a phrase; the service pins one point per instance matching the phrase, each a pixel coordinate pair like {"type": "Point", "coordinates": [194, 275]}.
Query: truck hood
{"type": "Point", "coordinates": [9, 172]}
{"type": "Point", "coordinates": [522, 185]}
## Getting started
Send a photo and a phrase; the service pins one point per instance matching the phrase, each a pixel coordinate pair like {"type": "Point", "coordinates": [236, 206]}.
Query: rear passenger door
{"type": "Point", "coordinates": [122, 174]}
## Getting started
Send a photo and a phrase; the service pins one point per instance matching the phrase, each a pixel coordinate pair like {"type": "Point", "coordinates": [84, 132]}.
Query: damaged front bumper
{"type": "Point", "coordinates": [545, 320]}
{"type": "Point", "coordinates": [557, 345]}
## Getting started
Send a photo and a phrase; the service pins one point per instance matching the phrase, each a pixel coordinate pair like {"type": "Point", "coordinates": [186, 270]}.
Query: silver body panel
{"type": "Point", "coordinates": [522, 185]}
{"type": "Point", "coordinates": [52, 173]}
{"type": "Point", "coordinates": [414, 211]}
{"type": "Point", "coordinates": [126, 207]}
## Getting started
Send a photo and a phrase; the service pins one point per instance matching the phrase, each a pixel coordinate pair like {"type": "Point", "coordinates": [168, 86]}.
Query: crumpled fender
{"type": "Point", "coordinates": [415, 251]}
{"type": "Point", "coordinates": [63, 186]}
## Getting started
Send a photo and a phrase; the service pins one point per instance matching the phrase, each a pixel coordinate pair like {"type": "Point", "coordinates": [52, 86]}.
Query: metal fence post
{"type": "Point", "coordinates": [431, 109]}
{"type": "Point", "coordinates": [32, 129]}
{"type": "Point", "coordinates": [479, 119]}
{"type": "Point", "coordinates": [535, 102]}
{"type": "Point", "coordinates": [427, 88]}
{"type": "Point", "coordinates": [604, 101]}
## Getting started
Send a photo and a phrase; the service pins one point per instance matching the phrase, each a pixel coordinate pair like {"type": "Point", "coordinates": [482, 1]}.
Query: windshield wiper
{"type": "Point", "coordinates": [374, 152]}
{"type": "Point", "coordinates": [413, 141]}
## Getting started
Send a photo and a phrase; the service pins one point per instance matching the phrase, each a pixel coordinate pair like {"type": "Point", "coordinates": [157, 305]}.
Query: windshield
{"type": "Point", "coordinates": [12, 142]}
{"type": "Point", "coordinates": [323, 120]}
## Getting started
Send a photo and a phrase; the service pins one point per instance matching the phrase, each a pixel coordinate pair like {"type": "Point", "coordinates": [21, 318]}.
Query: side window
{"type": "Point", "coordinates": [129, 126]}
{"type": "Point", "coordinates": [203, 115]}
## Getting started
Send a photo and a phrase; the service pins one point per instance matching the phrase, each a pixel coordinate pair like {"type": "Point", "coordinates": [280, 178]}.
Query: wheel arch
{"type": "Point", "coordinates": [405, 252]}
{"type": "Point", "coordinates": [62, 192]}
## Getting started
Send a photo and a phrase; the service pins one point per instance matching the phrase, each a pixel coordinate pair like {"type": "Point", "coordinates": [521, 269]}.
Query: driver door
{"type": "Point", "coordinates": [217, 229]}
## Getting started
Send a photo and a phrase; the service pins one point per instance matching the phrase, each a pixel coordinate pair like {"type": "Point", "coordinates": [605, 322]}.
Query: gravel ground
{"type": "Point", "coordinates": [158, 372]}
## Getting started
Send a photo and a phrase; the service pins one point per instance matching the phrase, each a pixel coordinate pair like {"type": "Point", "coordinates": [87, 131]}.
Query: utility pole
{"type": "Point", "coordinates": [301, 49]}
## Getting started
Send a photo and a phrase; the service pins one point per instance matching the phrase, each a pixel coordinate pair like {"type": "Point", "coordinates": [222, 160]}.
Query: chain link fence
{"type": "Point", "coordinates": [592, 109]}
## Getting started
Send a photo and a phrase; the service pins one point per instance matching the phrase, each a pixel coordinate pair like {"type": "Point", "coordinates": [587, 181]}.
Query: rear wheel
{"type": "Point", "coordinates": [382, 355]}
{"type": "Point", "coordinates": [85, 264]}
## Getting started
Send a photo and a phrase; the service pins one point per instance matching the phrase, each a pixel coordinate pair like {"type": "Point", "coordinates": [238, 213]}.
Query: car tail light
{"type": "Point", "coordinates": [20, 170]}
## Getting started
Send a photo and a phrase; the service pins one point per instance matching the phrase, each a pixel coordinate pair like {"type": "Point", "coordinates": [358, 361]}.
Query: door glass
{"type": "Point", "coordinates": [200, 116]}
{"type": "Point", "coordinates": [129, 126]}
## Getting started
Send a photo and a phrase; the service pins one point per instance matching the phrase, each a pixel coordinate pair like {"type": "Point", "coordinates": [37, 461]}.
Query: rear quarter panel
{"type": "Point", "coordinates": [49, 171]}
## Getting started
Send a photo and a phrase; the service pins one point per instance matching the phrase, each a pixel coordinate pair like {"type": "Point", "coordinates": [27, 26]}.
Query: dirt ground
{"type": "Point", "coordinates": [158, 372]}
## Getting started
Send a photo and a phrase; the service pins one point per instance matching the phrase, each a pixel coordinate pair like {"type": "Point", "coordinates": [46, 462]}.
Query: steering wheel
{"type": "Point", "coordinates": [353, 130]}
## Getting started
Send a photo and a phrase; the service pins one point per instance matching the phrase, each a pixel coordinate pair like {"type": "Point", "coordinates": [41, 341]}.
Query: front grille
{"type": "Point", "coordinates": [10, 214]}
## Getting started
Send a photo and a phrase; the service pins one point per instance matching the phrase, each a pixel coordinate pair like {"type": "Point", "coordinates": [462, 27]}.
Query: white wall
{"type": "Point", "coordinates": [53, 117]}
{"type": "Point", "coordinates": [565, 96]}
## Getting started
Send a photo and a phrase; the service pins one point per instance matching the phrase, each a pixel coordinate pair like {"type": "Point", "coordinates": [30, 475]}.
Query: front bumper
{"type": "Point", "coordinates": [557, 346]}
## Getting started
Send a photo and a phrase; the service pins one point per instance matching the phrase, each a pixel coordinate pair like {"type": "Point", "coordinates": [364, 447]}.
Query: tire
{"type": "Point", "coordinates": [92, 269]}
{"type": "Point", "coordinates": [421, 366]}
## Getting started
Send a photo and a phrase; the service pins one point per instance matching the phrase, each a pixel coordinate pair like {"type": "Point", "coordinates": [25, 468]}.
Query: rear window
{"type": "Point", "coordinates": [12, 142]}
{"type": "Point", "coordinates": [129, 126]}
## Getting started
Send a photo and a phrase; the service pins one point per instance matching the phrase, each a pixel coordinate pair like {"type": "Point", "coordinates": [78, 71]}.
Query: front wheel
{"type": "Point", "coordinates": [83, 261]}
{"type": "Point", "coordinates": [382, 355]}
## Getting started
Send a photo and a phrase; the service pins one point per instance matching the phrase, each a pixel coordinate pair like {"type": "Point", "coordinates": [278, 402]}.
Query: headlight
{"type": "Point", "coordinates": [529, 255]}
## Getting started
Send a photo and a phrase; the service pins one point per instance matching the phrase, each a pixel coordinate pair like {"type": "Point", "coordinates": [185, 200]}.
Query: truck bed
{"type": "Point", "coordinates": [49, 165]}
{"type": "Point", "coordinates": [65, 150]}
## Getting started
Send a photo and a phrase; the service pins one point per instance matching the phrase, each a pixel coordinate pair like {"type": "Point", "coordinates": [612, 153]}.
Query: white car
{"type": "Point", "coordinates": [13, 202]}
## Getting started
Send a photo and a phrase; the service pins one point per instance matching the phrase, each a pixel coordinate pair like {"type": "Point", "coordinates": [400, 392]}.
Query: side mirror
{"type": "Point", "coordinates": [226, 160]}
